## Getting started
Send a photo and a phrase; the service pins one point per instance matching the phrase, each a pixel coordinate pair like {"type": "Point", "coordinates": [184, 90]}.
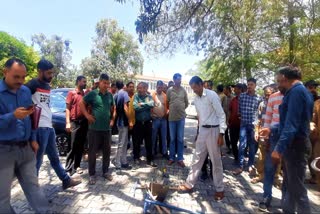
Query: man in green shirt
{"type": "Point", "coordinates": [100, 122]}
{"type": "Point", "coordinates": [142, 104]}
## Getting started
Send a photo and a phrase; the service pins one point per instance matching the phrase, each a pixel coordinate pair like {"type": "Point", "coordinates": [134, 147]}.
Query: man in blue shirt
{"type": "Point", "coordinates": [294, 144]}
{"type": "Point", "coordinates": [17, 141]}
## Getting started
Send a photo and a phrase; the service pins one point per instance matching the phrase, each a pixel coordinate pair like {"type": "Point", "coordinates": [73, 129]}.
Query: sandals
{"type": "Point", "coordinates": [92, 180]}
{"type": "Point", "coordinates": [256, 180]}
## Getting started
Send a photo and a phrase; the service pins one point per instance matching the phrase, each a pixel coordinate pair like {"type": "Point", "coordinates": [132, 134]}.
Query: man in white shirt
{"type": "Point", "coordinates": [212, 127]}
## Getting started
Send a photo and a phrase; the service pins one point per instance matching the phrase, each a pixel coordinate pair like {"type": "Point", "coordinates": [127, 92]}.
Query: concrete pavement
{"type": "Point", "coordinates": [118, 196]}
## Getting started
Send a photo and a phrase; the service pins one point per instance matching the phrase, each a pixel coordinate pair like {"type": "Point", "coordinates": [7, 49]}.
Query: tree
{"type": "Point", "coordinates": [12, 47]}
{"type": "Point", "coordinates": [260, 35]}
{"type": "Point", "coordinates": [58, 51]}
{"type": "Point", "coordinates": [114, 52]}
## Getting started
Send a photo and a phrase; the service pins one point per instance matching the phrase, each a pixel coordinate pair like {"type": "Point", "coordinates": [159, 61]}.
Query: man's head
{"type": "Point", "coordinates": [227, 90]}
{"type": "Point", "coordinates": [170, 84]}
{"type": "Point", "coordinates": [81, 82]}
{"type": "Point", "coordinates": [286, 76]}
{"type": "Point", "coordinates": [159, 86]}
{"type": "Point", "coordinates": [177, 79]}
{"type": "Point", "coordinates": [119, 84]}
{"type": "Point", "coordinates": [196, 84]}
{"type": "Point", "coordinates": [244, 88]}
{"type": "Point", "coordinates": [15, 72]}
{"type": "Point", "coordinates": [208, 84]}
{"type": "Point", "coordinates": [130, 88]}
{"type": "Point", "coordinates": [142, 88]}
{"type": "Point", "coordinates": [45, 70]}
{"type": "Point", "coordinates": [165, 88]}
{"type": "Point", "coordinates": [312, 85]}
{"type": "Point", "coordinates": [238, 89]}
{"type": "Point", "coordinates": [113, 88]}
{"type": "Point", "coordinates": [220, 88]}
{"type": "Point", "coordinates": [252, 83]}
{"type": "Point", "coordinates": [104, 83]}
{"type": "Point", "coordinates": [267, 91]}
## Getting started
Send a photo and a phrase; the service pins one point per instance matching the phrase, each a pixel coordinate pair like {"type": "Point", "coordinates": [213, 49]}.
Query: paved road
{"type": "Point", "coordinates": [118, 196]}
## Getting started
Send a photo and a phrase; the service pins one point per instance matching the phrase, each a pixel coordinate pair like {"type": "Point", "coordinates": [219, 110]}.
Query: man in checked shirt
{"type": "Point", "coordinates": [248, 108]}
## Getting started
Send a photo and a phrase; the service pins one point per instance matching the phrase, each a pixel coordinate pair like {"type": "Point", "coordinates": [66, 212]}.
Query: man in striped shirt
{"type": "Point", "coordinates": [270, 130]}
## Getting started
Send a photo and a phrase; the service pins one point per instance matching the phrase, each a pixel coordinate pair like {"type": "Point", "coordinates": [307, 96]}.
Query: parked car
{"type": "Point", "coordinates": [191, 110]}
{"type": "Point", "coordinates": [58, 108]}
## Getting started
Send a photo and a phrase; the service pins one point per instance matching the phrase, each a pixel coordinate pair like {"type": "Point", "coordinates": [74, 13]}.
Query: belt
{"type": "Point", "coordinates": [14, 143]}
{"type": "Point", "coordinates": [210, 126]}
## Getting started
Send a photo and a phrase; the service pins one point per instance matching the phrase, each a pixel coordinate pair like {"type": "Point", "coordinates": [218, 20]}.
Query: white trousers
{"type": "Point", "coordinates": [207, 142]}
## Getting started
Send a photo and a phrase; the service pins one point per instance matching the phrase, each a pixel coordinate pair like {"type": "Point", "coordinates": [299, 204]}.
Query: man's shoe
{"type": "Point", "coordinates": [170, 162]}
{"type": "Point", "coordinates": [151, 163]}
{"type": "Point", "coordinates": [108, 176]}
{"type": "Point", "coordinates": [137, 161]}
{"type": "Point", "coordinates": [126, 166]}
{"type": "Point", "coordinates": [181, 164]}
{"type": "Point", "coordinates": [264, 205]}
{"type": "Point", "coordinates": [71, 183]}
{"type": "Point", "coordinates": [203, 177]}
{"type": "Point", "coordinates": [218, 196]}
{"type": "Point", "coordinates": [237, 171]}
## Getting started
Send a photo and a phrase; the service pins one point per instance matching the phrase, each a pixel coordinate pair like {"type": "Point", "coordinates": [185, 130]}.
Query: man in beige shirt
{"type": "Point", "coordinates": [178, 101]}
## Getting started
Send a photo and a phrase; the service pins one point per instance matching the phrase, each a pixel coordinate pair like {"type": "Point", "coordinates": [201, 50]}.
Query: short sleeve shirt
{"type": "Point", "coordinates": [101, 105]}
{"type": "Point", "coordinates": [122, 99]}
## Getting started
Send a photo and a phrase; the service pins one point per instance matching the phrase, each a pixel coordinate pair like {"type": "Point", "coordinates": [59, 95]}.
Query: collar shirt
{"type": "Point", "coordinates": [248, 108]}
{"type": "Point", "coordinates": [209, 110]}
{"type": "Point", "coordinates": [295, 115]}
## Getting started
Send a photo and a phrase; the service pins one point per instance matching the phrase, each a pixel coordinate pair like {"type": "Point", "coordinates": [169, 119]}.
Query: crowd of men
{"type": "Point", "coordinates": [275, 126]}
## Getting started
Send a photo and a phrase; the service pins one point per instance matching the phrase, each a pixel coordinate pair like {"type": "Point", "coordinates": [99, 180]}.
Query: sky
{"type": "Point", "coordinates": [75, 20]}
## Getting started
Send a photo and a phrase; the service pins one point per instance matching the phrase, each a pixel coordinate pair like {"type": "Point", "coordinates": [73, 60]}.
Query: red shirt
{"type": "Point", "coordinates": [73, 99]}
{"type": "Point", "coordinates": [234, 120]}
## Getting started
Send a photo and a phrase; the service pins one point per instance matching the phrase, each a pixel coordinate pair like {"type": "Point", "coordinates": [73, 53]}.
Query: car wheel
{"type": "Point", "coordinates": [62, 141]}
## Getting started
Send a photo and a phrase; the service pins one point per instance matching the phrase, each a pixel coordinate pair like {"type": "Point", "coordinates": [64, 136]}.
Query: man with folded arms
{"type": "Point", "coordinates": [212, 127]}
{"type": "Point", "coordinates": [17, 141]}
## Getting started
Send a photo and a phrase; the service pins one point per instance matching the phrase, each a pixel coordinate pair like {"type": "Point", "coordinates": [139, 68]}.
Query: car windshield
{"type": "Point", "coordinates": [57, 103]}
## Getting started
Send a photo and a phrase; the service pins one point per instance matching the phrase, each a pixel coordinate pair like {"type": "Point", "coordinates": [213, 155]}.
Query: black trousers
{"type": "Point", "coordinates": [234, 138]}
{"type": "Point", "coordinates": [227, 138]}
{"type": "Point", "coordinates": [79, 130]}
{"type": "Point", "coordinates": [99, 139]}
{"type": "Point", "coordinates": [294, 192]}
{"type": "Point", "coordinates": [142, 132]}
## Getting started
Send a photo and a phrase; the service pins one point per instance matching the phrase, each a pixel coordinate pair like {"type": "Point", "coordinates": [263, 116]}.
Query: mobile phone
{"type": "Point", "coordinates": [31, 106]}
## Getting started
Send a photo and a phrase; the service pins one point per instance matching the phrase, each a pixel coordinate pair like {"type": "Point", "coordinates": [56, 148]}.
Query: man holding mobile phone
{"type": "Point", "coordinates": [17, 139]}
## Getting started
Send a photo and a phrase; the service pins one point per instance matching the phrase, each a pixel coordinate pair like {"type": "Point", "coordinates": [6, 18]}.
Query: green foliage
{"type": "Point", "coordinates": [114, 52]}
{"type": "Point", "coordinates": [58, 51]}
{"type": "Point", "coordinates": [240, 38]}
{"type": "Point", "coordinates": [12, 47]}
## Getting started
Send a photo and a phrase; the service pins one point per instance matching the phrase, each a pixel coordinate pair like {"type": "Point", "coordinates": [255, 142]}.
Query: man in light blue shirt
{"type": "Point", "coordinates": [17, 139]}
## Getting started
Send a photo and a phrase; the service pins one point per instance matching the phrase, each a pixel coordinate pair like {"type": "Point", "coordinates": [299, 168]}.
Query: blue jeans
{"type": "Point", "coordinates": [176, 137]}
{"type": "Point", "coordinates": [269, 167]}
{"type": "Point", "coordinates": [247, 137]}
{"type": "Point", "coordinates": [46, 137]}
{"type": "Point", "coordinates": [162, 124]}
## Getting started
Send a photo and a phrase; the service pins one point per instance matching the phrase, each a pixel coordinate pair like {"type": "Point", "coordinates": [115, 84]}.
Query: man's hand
{"type": "Point", "coordinates": [111, 123]}
{"type": "Point", "coordinates": [22, 112]}
{"type": "Point", "coordinates": [68, 127]}
{"type": "Point", "coordinates": [90, 119]}
{"type": "Point", "coordinates": [275, 157]}
{"type": "Point", "coordinates": [256, 136]}
{"type": "Point", "coordinates": [220, 140]}
{"type": "Point", "coordinates": [130, 126]}
{"type": "Point", "coordinates": [264, 132]}
{"type": "Point", "coordinates": [34, 146]}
